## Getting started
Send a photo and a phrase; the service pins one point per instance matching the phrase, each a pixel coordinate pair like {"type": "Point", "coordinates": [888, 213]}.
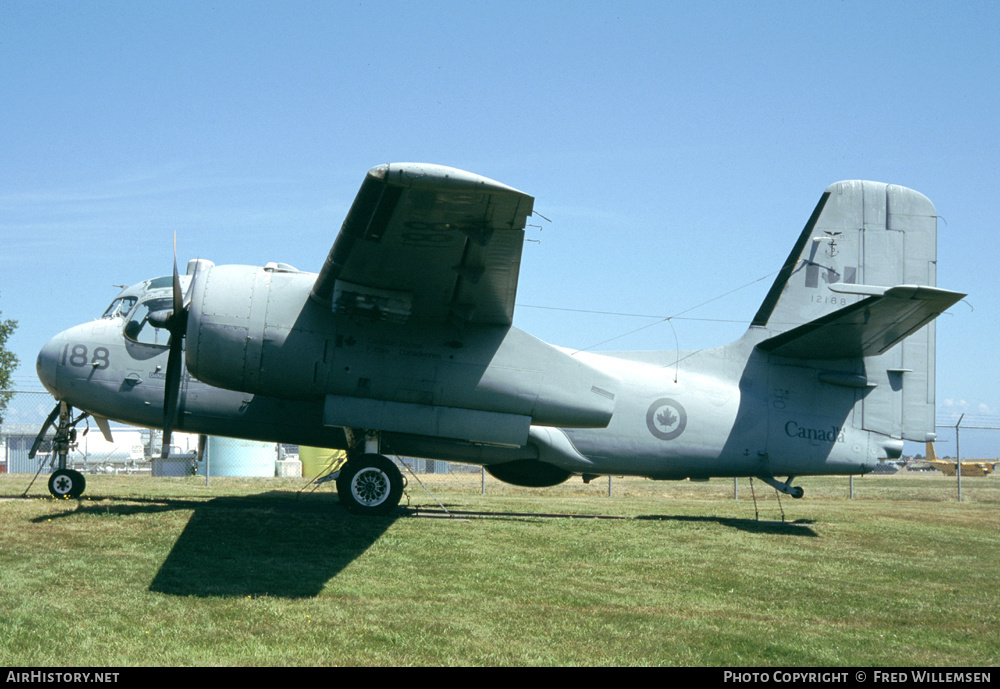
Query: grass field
{"type": "Point", "coordinates": [150, 571]}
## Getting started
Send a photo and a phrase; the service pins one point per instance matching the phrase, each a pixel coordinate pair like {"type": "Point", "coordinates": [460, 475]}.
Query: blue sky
{"type": "Point", "coordinates": [676, 148]}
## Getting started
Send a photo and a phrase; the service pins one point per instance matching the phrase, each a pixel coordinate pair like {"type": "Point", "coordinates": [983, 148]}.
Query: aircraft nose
{"type": "Point", "coordinates": [47, 364]}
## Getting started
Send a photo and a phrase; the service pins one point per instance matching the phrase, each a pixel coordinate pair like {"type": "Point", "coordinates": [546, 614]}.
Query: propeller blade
{"type": "Point", "coordinates": [178, 296]}
{"type": "Point", "coordinates": [171, 390]}
{"type": "Point", "coordinates": [176, 323]}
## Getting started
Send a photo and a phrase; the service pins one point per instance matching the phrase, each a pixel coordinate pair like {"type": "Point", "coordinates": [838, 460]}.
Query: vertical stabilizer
{"type": "Point", "coordinates": [862, 238]}
{"type": "Point", "coordinates": [861, 233]}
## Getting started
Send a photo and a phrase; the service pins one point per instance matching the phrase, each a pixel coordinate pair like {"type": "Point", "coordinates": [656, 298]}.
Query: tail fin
{"type": "Point", "coordinates": [861, 233]}
{"type": "Point", "coordinates": [860, 280]}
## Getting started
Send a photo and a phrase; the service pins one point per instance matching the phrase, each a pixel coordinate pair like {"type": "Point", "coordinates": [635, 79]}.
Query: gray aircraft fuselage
{"type": "Point", "coordinates": [821, 383]}
{"type": "Point", "coordinates": [662, 415]}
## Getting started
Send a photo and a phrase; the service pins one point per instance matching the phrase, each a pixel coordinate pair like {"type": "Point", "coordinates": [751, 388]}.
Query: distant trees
{"type": "Point", "coordinates": [8, 363]}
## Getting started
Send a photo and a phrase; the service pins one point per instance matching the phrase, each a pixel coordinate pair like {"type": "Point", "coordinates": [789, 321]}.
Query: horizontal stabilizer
{"type": "Point", "coordinates": [866, 328]}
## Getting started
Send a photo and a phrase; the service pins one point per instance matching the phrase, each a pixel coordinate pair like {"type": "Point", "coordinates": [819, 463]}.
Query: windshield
{"type": "Point", "coordinates": [119, 307]}
{"type": "Point", "coordinates": [141, 330]}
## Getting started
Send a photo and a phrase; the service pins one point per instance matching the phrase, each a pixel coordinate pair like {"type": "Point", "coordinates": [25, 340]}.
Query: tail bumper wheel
{"type": "Point", "coordinates": [370, 485]}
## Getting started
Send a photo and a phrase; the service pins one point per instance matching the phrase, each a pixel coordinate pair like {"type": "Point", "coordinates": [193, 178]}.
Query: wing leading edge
{"type": "Point", "coordinates": [427, 243]}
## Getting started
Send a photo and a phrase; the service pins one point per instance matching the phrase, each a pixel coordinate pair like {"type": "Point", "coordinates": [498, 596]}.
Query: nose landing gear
{"type": "Point", "coordinates": [63, 483]}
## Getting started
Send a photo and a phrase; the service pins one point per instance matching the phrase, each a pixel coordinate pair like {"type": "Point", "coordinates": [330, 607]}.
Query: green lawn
{"type": "Point", "coordinates": [150, 571]}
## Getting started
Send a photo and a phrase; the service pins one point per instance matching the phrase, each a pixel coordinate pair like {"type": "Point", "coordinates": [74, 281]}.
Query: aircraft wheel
{"type": "Point", "coordinates": [66, 483]}
{"type": "Point", "coordinates": [370, 485]}
{"type": "Point", "coordinates": [797, 492]}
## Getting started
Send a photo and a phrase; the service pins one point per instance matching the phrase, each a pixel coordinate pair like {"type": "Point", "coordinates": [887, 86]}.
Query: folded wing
{"type": "Point", "coordinates": [428, 243]}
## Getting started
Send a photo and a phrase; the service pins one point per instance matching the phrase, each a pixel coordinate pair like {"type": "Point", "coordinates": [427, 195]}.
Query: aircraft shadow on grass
{"type": "Point", "coordinates": [799, 527]}
{"type": "Point", "coordinates": [290, 545]}
{"type": "Point", "coordinates": [277, 544]}
{"type": "Point", "coordinates": [273, 544]}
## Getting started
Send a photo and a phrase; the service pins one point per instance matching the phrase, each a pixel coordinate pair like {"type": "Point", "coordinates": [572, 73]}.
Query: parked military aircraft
{"type": "Point", "coordinates": [403, 344]}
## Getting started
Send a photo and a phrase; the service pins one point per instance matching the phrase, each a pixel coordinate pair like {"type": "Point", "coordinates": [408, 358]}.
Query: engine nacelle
{"type": "Point", "coordinates": [239, 322]}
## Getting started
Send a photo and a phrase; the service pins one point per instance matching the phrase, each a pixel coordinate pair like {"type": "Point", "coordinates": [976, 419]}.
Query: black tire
{"type": "Point", "coordinates": [370, 485]}
{"type": "Point", "coordinates": [66, 483]}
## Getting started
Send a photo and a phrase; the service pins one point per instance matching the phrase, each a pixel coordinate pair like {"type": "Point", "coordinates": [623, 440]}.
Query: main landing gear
{"type": "Point", "coordinates": [370, 484]}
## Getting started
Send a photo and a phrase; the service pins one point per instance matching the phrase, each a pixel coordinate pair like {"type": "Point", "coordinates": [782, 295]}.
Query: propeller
{"type": "Point", "coordinates": [174, 322]}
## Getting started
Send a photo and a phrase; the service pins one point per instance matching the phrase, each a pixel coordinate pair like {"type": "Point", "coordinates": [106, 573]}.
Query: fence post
{"type": "Point", "coordinates": [204, 454]}
{"type": "Point", "coordinates": [958, 458]}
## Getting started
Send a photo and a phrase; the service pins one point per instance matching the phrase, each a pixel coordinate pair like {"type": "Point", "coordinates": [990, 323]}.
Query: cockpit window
{"type": "Point", "coordinates": [119, 308]}
{"type": "Point", "coordinates": [140, 330]}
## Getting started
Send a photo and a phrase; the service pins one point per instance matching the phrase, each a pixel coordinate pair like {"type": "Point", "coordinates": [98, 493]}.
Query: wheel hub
{"type": "Point", "coordinates": [63, 485]}
{"type": "Point", "coordinates": [370, 487]}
